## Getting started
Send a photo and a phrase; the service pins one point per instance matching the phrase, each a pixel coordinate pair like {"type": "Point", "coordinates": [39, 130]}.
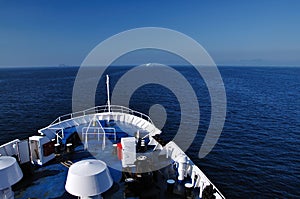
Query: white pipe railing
{"type": "Point", "coordinates": [174, 151]}
{"type": "Point", "coordinates": [102, 109]}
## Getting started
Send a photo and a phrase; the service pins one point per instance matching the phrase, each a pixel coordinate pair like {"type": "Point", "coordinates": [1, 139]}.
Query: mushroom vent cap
{"type": "Point", "coordinates": [88, 178]}
{"type": "Point", "coordinates": [10, 172]}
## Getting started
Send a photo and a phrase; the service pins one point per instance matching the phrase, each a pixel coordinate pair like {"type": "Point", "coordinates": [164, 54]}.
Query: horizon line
{"type": "Point", "coordinates": [132, 65]}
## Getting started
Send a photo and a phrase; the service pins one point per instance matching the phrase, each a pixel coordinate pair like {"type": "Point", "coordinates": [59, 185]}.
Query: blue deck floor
{"type": "Point", "coordinates": [49, 180]}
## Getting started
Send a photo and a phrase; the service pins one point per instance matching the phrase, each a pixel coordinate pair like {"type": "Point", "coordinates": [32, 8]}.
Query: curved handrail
{"type": "Point", "coordinates": [102, 109]}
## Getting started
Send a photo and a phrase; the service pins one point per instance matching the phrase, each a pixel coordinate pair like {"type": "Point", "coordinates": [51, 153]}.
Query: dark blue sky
{"type": "Point", "coordinates": [254, 32]}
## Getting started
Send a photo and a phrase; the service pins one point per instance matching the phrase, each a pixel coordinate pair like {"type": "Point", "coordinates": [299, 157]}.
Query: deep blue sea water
{"type": "Point", "coordinates": [257, 155]}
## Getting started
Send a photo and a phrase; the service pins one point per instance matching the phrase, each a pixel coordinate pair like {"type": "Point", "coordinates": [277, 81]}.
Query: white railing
{"type": "Point", "coordinates": [98, 133]}
{"type": "Point", "coordinates": [175, 152]}
{"type": "Point", "coordinates": [102, 109]}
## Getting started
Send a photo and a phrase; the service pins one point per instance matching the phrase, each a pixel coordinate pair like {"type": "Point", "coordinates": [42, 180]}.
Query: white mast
{"type": "Point", "coordinates": [107, 88]}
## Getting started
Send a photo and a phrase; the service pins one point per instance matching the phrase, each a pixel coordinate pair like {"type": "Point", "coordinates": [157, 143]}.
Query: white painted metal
{"type": "Point", "coordinates": [10, 173]}
{"type": "Point", "coordinates": [128, 151]}
{"type": "Point", "coordinates": [107, 88]}
{"type": "Point", "coordinates": [119, 113]}
{"type": "Point", "coordinates": [88, 178]}
{"type": "Point", "coordinates": [7, 193]}
{"type": "Point", "coordinates": [8, 149]}
{"type": "Point", "coordinates": [24, 154]}
{"type": "Point", "coordinates": [36, 150]}
{"type": "Point", "coordinates": [171, 149]}
{"type": "Point", "coordinates": [182, 167]}
{"type": "Point", "coordinates": [17, 148]}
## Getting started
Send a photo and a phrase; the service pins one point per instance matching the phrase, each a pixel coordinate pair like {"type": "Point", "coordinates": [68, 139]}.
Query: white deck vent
{"type": "Point", "coordinates": [88, 179]}
{"type": "Point", "coordinates": [10, 174]}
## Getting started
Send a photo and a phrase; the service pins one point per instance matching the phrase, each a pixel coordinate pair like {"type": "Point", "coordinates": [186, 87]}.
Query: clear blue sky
{"type": "Point", "coordinates": [253, 32]}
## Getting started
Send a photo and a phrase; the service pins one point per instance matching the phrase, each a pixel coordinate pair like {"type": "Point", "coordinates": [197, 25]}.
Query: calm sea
{"type": "Point", "coordinates": [257, 155]}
